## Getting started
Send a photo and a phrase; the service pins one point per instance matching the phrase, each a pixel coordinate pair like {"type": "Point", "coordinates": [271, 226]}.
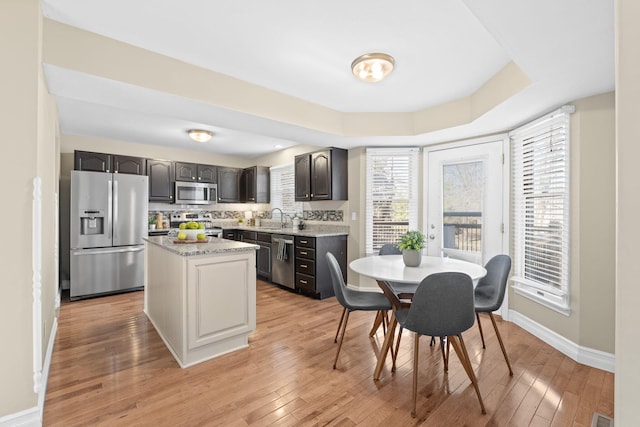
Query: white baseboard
{"type": "Point", "coordinates": [33, 417]}
{"type": "Point", "coordinates": [27, 418]}
{"type": "Point", "coordinates": [585, 355]}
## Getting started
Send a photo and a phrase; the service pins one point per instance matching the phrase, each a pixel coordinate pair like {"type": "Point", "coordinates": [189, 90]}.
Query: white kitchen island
{"type": "Point", "coordinates": [200, 297]}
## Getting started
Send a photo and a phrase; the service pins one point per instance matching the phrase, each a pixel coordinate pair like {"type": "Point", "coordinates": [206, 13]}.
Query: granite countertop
{"type": "Point", "coordinates": [310, 231]}
{"type": "Point", "coordinates": [213, 246]}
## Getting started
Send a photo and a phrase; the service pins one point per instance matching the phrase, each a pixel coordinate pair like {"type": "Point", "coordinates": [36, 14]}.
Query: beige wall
{"type": "Point", "coordinates": [30, 146]}
{"type": "Point", "coordinates": [591, 323]}
{"type": "Point", "coordinates": [628, 205]}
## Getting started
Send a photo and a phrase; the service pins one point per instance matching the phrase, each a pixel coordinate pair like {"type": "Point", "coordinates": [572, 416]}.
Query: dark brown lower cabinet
{"type": "Point", "coordinates": [312, 270]}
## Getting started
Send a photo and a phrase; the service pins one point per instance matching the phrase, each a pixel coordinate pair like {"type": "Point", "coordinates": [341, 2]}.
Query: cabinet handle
{"type": "Point", "coordinates": [302, 253]}
{"type": "Point", "coordinates": [303, 265]}
{"type": "Point", "coordinates": [303, 241]}
{"type": "Point", "coordinates": [311, 194]}
{"type": "Point", "coordinates": [303, 281]}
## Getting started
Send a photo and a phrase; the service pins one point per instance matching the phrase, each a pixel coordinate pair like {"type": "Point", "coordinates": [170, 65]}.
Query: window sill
{"type": "Point", "coordinates": [534, 295]}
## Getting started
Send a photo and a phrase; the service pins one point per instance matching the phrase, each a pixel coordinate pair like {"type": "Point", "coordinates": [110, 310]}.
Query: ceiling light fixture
{"type": "Point", "coordinates": [200, 135]}
{"type": "Point", "coordinates": [372, 67]}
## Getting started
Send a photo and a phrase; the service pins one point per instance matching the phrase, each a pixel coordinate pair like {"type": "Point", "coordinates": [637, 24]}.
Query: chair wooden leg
{"type": "Point", "coordinates": [480, 327]}
{"type": "Point", "coordinates": [395, 355]}
{"type": "Point", "coordinates": [376, 323]}
{"type": "Point", "coordinates": [344, 329]}
{"type": "Point", "coordinates": [504, 352]}
{"type": "Point", "coordinates": [388, 342]}
{"type": "Point", "coordinates": [458, 345]}
{"type": "Point", "coordinates": [416, 344]}
{"type": "Point", "coordinates": [344, 310]}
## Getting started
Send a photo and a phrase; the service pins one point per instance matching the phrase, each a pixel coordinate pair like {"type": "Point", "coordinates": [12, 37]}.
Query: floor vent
{"type": "Point", "coordinates": [600, 420]}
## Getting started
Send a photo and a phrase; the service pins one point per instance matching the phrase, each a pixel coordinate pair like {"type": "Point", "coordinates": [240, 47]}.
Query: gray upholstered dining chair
{"type": "Point", "coordinates": [442, 306]}
{"type": "Point", "coordinates": [489, 294]}
{"type": "Point", "coordinates": [353, 300]}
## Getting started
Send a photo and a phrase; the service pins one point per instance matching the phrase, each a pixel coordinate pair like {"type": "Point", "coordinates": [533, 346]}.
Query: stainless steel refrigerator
{"type": "Point", "coordinates": [108, 220]}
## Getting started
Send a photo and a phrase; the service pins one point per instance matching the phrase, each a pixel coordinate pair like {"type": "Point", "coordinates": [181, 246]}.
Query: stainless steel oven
{"type": "Point", "coordinates": [196, 193]}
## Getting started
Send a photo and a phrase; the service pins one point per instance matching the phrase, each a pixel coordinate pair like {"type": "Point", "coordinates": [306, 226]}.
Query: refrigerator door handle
{"type": "Point", "coordinates": [115, 208]}
{"type": "Point", "coordinates": [108, 250]}
{"type": "Point", "coordinates": [110, 211]}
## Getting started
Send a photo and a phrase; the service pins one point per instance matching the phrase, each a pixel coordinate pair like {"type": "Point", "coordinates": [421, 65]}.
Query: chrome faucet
{"type": "Point", "coordinates": [282, 218]}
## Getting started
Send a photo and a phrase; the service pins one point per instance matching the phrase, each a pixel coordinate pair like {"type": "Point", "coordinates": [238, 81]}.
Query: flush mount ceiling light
{"type": "Point", "coordinates": [199, 135]}
{"type": "Point", "coordinates": [372, 67]}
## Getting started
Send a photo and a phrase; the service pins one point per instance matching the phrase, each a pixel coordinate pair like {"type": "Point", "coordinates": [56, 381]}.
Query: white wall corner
{"type": "Point", "coordinates": [587, 356]}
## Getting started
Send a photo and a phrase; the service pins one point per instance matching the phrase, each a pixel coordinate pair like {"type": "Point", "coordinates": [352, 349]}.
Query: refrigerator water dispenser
{"type": "Point", "coordinates": [91, 222]}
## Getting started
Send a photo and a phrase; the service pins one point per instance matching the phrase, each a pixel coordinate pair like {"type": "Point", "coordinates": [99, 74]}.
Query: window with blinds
{"type": "Point", "coordinates": [283, 188]}
{"type": "Point", "coordinates": [540, 186]}
{"type": "Point", "coordinates": [391, 195]}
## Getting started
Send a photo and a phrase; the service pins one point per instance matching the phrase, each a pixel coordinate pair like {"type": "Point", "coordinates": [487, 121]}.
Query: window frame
{"type": "Point", "coordinates": [412, 206]}
{"type": "Point", "coordinates": [279, 191]}
{"type": "Point", "coordinates": [527, 215]}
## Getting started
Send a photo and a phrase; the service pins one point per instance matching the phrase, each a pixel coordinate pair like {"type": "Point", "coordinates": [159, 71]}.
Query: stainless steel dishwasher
{"type": "Point", "coordinates": [282, 262]}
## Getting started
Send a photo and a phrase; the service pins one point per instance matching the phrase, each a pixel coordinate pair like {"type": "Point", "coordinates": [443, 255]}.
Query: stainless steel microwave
{"type": "Point", "coordinates": [196, 193]}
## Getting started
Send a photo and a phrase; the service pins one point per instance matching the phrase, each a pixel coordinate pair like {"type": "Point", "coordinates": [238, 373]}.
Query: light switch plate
{"type": "Point", "coordinates": [353, 216]}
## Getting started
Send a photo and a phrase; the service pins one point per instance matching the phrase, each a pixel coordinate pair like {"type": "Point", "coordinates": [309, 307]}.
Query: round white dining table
{"type": "Point", "coordinates": [391, 268]}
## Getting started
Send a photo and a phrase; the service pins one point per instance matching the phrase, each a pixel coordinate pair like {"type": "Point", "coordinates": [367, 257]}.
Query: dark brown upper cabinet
{"type": "Point", "coordinates": [128, 164]}
{"type": "Point", "coordinates": [255, 185]}
{"type": "Point", "coordinates": [103, 162]}
{"type": "Point", "coordinates": [93, 162]}
{"type": "Point", "coordinates": [229, 184]}
{"type": "Point", "coordinates": [161, 180]}
{"type": "Point", "coordinates": [196, 173]}
{"type": "Point", "coordinates": [321, 175]}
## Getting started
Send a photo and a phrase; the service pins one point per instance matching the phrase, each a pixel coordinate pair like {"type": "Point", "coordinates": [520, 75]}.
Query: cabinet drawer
{"type": "Point", "coordinates": [305, 253]}
{"type": "Point", "coordinates": [305, 282]}
{"type": "Point", "coordinates": [306, 266]}
{"type": "Point", "coordinates": [249, 235]}
{"type": "Point", "coordinates": [306, 242]}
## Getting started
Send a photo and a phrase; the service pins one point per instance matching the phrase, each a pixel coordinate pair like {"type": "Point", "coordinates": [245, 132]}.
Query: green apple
{"type": "Point", "coordinates": [183, 226]}
{"type": "Point", "coordinates": [201, 236]}
{"type": "Point", "coordinates": [182, 236]}
{"type": "Point", "coordinates": [200, 226]}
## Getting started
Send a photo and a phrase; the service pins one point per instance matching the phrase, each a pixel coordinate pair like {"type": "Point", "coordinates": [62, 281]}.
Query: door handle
{"type": "Point", "coordinates": [432, 236]}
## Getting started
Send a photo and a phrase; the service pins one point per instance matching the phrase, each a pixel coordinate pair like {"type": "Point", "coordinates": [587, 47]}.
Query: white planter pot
{"type": "Point", "coordinates": [411, 258]}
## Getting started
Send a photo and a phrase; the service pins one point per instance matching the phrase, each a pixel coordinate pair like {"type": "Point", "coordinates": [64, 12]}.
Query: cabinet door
{"type": "Point", "coordinates": [321, 175]}
{"type": "Point", "coordinates": [264, 260]}
{"type": "Point", "coordinates": [94, 162]}
{"type": "Point", "coordinates": [248, 185]}
{"type": "Point", "coordinates": [207, 174]}
{"type": "Point", "coordinates": [229, 185]}
{"type": "Point", "coordinates": [128, 164]}
{"type": "Point", "coordinates": [160, 180]}
{"type": "Point", "coordinates": [186, 171]}
{"type": "Point", "coordinates": [302, 178]}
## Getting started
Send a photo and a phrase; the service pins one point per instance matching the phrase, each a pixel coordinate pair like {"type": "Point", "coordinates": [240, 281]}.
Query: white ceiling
{"type": "Point", "coordinates": [444, 50]}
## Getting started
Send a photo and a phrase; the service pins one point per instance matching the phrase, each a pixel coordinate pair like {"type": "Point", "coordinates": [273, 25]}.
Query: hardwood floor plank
{"type": "Point", "coordinates": [110, 367]}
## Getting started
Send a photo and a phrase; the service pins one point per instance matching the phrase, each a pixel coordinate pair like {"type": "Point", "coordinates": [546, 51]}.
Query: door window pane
{"type": "Point", "coordinates": [462, 197]}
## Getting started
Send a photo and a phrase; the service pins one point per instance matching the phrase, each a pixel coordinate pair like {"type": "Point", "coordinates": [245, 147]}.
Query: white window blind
{"type": "Point", "coordinates": [282, 189]}
{"type": "Point", "coordinates": [540, 186]}
{"type": "Point", "coordinates": [391, 194]}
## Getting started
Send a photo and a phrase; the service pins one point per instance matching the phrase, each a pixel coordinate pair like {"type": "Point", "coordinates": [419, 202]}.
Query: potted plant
{"type": "Point", "coordinates": [411, 244]}
{"type": "Point", "coordinates": [152, 223]}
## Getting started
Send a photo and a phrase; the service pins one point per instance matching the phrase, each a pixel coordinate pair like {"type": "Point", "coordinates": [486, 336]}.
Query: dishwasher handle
{"type": "Point", "coordinates": [288, 242]}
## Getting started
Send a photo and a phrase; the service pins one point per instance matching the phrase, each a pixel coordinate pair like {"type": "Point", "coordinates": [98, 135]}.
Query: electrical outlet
{"type": "Point", "coordinates": [353, 216]}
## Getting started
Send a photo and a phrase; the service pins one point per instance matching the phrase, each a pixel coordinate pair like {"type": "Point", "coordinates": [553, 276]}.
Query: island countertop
{"type": "Point", "coordinates": [213, 246]}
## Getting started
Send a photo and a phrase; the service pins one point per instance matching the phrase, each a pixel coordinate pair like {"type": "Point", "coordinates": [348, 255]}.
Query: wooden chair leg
{"type": "Point", "coordinates": [344, 310]}
{"type": "Point", "coordinates": [395, 355]}
{"type": "Point", "coordinates": [504, 352]}
{"type": "Point", "coordinates": [458, 345]}
{"type": "Point", "coordinates": [480, 327]}
{"type": "Point", "coordinates": [376, 323]}
{"type": "Point", "coordinates": [344, 329]}
{"type": "Point", "coordinates": [416, 344]}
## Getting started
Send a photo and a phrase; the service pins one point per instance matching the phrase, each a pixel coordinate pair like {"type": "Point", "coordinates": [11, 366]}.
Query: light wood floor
{"type": "Point", "coordinates": [109, 367]}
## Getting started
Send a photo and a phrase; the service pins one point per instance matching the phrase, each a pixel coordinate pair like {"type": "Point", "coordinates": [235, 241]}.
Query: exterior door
{"type": "Point", "coordinates": [465, 202]}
